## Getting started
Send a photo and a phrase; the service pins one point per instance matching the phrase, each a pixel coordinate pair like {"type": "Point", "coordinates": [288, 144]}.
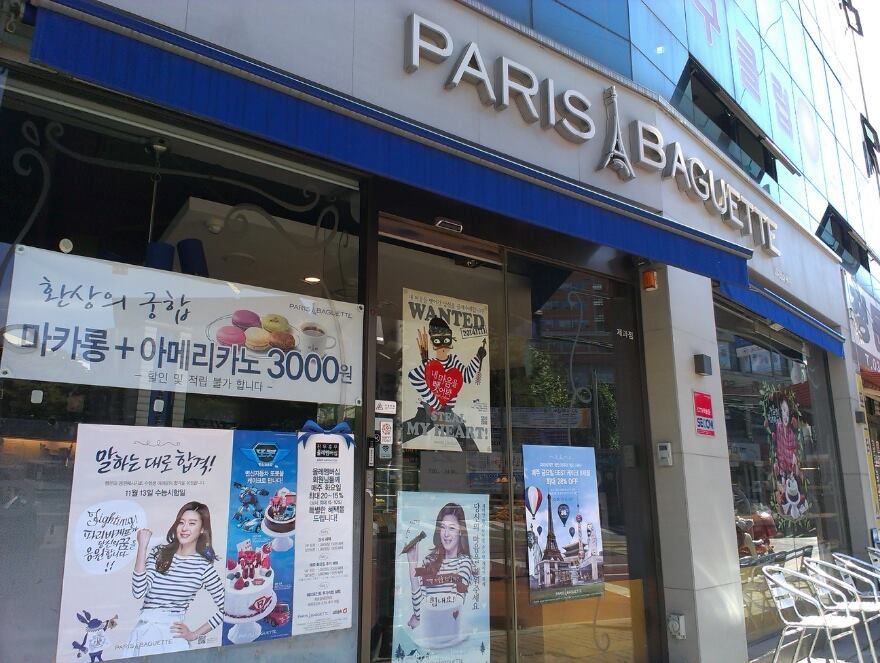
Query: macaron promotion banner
{"type": "Point", "coordinates": [141, 497]}
{"type": "Point", "coordinates": [563, 532]}
{"type": "Point", "coordinates": [445, 393]}
{"type": "Point", "coordinates": [88, 321]}
{"type": "Point", "coordinates": [441, 579]}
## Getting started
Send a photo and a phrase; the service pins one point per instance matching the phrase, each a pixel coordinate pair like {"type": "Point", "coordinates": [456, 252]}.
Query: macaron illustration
{"type": "Point", "coordinates": [244, 319]}
{"type": "Point", "coordinates": [256, 339]}
{"type": "Point", "coordinates": [282, 340]}
{"type": "Point", "coordinates": [272, 322]}
{"type": "Point", "coordinates": [230, 335]}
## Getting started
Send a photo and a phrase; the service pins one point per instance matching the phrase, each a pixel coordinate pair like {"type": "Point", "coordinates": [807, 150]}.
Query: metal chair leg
{"type": "Point", "coordinates": [797, 647]}
{"type": "Point", "coordinates": [778, 647]}
{"type": "Point", "coordinates": [870, 640]}
{"type": "Point", "coordinates": [858, 646]}
{"type": "Point", "coordinates": [831, 646]}
{"type": "Point", "coordinates": [813, 646]}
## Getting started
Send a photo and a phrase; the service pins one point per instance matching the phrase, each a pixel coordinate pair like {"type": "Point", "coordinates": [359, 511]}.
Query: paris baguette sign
{"type": "Point", "coordinates": [567, 112]}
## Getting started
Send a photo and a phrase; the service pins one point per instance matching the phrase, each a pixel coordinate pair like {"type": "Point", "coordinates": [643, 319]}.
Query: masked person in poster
{"type": "Point", "coordinates": [438, 381]}
{"type": "Point", "coordinates": [168, 580]}
{"type": "Point", "coordinates": [440, 585]}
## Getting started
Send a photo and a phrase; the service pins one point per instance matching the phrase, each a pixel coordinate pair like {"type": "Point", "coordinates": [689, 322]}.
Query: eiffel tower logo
{"type": "Point", "coordinates": [551, 551]}
{"type": "Point", "coordinates": [616, 157]}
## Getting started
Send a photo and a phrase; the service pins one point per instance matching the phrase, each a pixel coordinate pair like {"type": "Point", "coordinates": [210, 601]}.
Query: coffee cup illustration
{"type": "Point", "coordinates": [315, 338]}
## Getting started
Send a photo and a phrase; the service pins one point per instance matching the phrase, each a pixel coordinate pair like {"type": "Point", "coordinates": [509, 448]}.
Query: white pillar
{"type": "Point", "coordinates": [698, 547]}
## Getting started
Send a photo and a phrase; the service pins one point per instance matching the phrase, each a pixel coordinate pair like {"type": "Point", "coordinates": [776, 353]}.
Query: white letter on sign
{"type": "Point", "coordinates": [516, 79]}
{"type": "Point", "coordinates": [649, 146]}
{"type": "Point", "coordinates": [470, 69]}
{"type": "Point", "coordinates": [424, 38]}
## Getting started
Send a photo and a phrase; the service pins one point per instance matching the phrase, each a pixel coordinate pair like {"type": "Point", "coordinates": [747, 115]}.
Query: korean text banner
{"type": "Point", "coordinates": [441, 590]}
{"type": "Point", "coordinates": [89, 321]}
{"type": "Point", "coordinates": [563, 535]}
{"type": "Point", "coordinates": [445, 399]}
{"type": "Point", "coordinates": [324, 547]}
{"type": "Point", "coordinates": [139, 496]}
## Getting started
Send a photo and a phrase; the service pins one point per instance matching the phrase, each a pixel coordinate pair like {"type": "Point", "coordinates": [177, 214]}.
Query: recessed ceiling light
{"type": "Point", "coordinates": [312, 280]}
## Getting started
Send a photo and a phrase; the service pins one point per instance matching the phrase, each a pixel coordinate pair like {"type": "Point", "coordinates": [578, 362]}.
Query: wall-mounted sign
{"type": "Point", "coordinates": [705, 419]}
{"type": "Point", "coordinates": [567, 111]}
{"type": "Point", "coordinates": [88, 321]}
{"type": "Point", "coordinates": [864, 317]}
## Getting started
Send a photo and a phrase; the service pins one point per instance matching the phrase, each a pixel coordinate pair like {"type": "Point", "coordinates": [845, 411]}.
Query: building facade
{"type": "Point", "coordinates": [436, 331]}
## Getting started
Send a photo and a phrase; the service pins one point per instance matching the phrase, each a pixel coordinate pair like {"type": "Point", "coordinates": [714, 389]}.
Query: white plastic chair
{"type": "Point", "coordinates": [864, 602]}
{"type": "Point", "coordinates": [796, 597]}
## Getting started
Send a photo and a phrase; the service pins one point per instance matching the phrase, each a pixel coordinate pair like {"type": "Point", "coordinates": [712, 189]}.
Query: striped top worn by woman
{"type": "Point", "coordinates": [453, 577]}
{"type": "Point", "coordinates": [426, 395]}
{"type": "Point", "coordinates": [175, 590]}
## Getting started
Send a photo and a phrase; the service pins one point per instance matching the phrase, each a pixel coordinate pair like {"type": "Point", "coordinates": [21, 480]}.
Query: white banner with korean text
{"type": "Point", "coordinates": [88, 321]}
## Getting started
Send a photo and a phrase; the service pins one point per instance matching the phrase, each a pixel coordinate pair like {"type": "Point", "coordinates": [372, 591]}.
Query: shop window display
{"type": "Point", "coordinates": [181, 321]}
{"type": "Point", "coordinates": [785, 475]}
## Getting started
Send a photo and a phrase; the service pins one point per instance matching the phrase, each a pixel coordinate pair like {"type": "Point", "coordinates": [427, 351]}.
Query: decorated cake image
{"type": "Point", "coordinates": [280, 515]}
{"type": "Point", "coordinates": [250, 592]}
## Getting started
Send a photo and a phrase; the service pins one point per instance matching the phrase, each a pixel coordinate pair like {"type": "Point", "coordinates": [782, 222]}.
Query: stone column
{"type": "Point", "coordinates": [698, 548]}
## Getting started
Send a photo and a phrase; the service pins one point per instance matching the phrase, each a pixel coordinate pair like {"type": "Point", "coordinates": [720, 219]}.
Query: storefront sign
{"type": "Point", "coordinates": [703, 413]}
{"type": "Point", "coordinates": [88, 321]}
{"type": "Point", "coordinates": [441, 588]}
{"type": "Point", "coordinates": [445, 399]}
{"type": "Point", "coordinates": [325, 524]}
{"type": "Point", "coordinates": [135, 492]}
{"type": "Point", "coordinates": [564, 534]}
{"type": "Point", "coordinates": [567, 112]}
{"type": "Point", "coordinates": [183, 538]}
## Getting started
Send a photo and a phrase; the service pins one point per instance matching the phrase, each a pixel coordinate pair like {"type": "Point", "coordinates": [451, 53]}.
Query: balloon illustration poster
{"type": "Point", "coordinates": [441, 591]}
{"type": "Point", "coordinates": [183, 538]}
{"type": "Point", "coordinates": [445, 393]}
{"type": "Point", "coordinates": [563, 532]}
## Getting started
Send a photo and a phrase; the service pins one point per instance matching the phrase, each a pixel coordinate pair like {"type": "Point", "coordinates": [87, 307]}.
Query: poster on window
{"type": "Point", "coordinates": [563, 531]}
{"type": "Point", "coordinates": [88, 321]}
{"type": "Point", "coordinates": [324, 546]}
{"type": "Point", "coordinates": [143, 571]}
{"type": "Point", "coordinates": [445, 399]}
{"type": "Point", "coordinates": [782, 422]}
{"type": "Point", "coordinates": [258, 580]}
{"type": "Point", "coordinates": [441, 588]}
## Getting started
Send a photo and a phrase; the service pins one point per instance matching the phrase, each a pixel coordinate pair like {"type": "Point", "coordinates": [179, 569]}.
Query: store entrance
{"type": "Point", "coordinates": [511, 510]}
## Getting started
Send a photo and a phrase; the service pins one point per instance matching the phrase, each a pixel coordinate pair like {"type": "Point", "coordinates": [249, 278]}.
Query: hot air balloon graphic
{"type": "Point", "coordinates": [533, 500]}
{"type": "Point", "coordinates": [540, 529]}
{"type": "Point", "coordinates": [571, 532]}
{"type": "Point", "coordinates": [563, 512]}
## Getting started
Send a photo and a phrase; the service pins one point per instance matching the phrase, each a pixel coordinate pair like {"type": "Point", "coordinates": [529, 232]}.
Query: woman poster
{"type": "Point", "coordinates": [141, 574]}
{"type": "Point", "coordinates": [441, 589]}
{"type": "Point", "coordinates": [168, 577]}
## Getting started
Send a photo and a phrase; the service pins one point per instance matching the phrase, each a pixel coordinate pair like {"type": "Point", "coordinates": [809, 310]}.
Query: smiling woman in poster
{"type": "Point", "coordinates": [440, 585]}
{"type": "Point", "coordinates": [168, 580]}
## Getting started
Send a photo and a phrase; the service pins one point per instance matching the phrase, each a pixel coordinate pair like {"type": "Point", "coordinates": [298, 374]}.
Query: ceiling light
{"type": "Point", "coordinates": [660, 50]}
{"type": "Point", "coordinates": [312, 280]}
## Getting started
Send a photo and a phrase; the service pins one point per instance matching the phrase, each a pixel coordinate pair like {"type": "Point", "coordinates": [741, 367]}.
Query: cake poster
{"type": "Point", "coordinates": [324, 546]}
{"type": "Point", "coordinates": [441, 592]}
{"type": "Point", "coordinates": [87, 321]}
{"type": "Point", "coordinates": [563, 535]}
{"type": "Point", "coordinates": [259, 550]}
{"type": "Point", "coordinates": [445, 399]}
{"type": "Point", "coordinates": [142, 571]}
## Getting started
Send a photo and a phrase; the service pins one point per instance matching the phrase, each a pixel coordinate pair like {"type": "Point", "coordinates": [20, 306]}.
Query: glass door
{"type": "Point", "coordinates": [511, 511]}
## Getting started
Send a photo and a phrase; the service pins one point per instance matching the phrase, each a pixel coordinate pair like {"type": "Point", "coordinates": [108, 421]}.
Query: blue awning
{"type": "Point", "coordinates": [773, 307]}
{"type": "Point", "coordinates": [139, 58]}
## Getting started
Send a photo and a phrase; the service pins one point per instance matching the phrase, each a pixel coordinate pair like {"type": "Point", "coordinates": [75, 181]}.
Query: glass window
{"type": "Point", "coordinates": [521, 10]}
{"type": "Point", "coordinates": [671, 13]}
{"type": "Point", "coordinates": [771, 27]}
{"type": "Point", "coordinates": [796, 48]}
{"type": "Point", "coordinates": [188, 252]}
{"type": "Point", "coordinates": [708, 39]}
{"type": "Point", "coordinates": [611, 14]}
{"type": "Point", "coordinates": [583, 35]}
{"type": "Point", "coordinates": [657, 44]}
{"type": "Point", "coordinates": [785, 476]}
